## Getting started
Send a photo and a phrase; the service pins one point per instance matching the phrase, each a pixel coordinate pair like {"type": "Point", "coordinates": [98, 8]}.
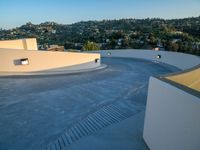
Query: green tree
{"type": "Point", "coordinates": [91, 46]}
{"type": "Point", "coordinates": [152, 40]}
{"type": "Point", "coordinates": [173, 46]}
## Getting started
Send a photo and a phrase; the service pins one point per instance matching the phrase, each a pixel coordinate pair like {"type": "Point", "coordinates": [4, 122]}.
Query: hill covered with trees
{"type": "Point", "coordinates": [182, 35]}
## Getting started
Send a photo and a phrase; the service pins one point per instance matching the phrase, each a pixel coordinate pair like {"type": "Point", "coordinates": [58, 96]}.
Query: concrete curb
{"type": "Point", "coordinates": [52, 72]}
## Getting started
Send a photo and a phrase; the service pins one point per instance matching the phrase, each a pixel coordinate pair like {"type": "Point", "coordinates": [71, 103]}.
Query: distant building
{"type": "Point", "coordinates": [56, 48]}
{"type": "Point", "coordinates": [178, 32]}
{"type": "Point", "coordinates": [53, 31]}
{"type": "Point", "coordinates": [156, 48]}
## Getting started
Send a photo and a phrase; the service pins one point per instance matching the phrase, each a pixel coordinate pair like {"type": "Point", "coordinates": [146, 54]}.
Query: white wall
{"type": "Point", "coordinates": [172, 120]}
{"type": "Point", "coordinates": [180, 60]}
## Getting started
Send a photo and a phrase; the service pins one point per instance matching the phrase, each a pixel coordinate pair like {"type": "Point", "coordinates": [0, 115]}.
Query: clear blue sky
{"type": "Point", "coordinates": [14, 13]}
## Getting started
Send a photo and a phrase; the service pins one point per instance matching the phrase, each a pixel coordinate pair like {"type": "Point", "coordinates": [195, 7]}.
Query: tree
{"type": "Point", "coordinates": [152, 40]}
{"type": "Point", "coordinates": [91, 46]}
{"type": "Point", "coordinates": [174, 46]}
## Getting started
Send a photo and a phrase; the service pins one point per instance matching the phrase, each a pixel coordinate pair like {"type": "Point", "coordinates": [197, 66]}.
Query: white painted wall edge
{"type": "Point", "coordinates": [180, 60]}
{"type": "Point", "coordinates": [172, 118]}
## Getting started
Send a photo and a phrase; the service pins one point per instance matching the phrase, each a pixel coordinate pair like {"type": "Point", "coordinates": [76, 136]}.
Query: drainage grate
{"type": "Point", "coordinates": [98, 120]}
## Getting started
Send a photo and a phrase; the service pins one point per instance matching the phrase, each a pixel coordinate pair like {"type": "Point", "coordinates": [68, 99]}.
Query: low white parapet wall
{"type": "Point", "coordinates": [172, 119]}
{"type": "Point", "coordinates": [12, 60]}
{"type": "Point", "coordinates": [179, 60]}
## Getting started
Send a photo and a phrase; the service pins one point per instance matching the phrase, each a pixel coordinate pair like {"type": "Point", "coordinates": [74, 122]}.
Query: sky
{"type": "Point", "coordinates": [14, 13]}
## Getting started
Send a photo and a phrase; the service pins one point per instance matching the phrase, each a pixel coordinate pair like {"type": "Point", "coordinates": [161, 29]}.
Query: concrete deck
{"type": "Point", "coordinates": [103, 109]}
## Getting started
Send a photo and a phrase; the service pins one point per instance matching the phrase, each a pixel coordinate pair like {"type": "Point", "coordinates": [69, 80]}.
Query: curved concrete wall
{"type": "Point", "coordinates": [44, 60]}
{"type": "Point", "coordinates": [25, 44]}
{"type": "Point", "coordinates": [180, 60]}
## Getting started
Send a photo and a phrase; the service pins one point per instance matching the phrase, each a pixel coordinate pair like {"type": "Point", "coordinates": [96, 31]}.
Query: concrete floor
{"type": "Point", "coordinates": [103, 109]}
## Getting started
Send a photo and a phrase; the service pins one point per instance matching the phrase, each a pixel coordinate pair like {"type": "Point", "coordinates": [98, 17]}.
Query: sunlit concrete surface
{"type": "Point", "coordinates": [25, 44]}
{"type": "Point", "coordinates": [103, 109]}
{"type": "Point", "coordinates": [190, 78]}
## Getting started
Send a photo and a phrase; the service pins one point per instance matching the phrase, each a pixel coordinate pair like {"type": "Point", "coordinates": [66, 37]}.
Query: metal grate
{"type": "Point", "coordinates": [94, 122]}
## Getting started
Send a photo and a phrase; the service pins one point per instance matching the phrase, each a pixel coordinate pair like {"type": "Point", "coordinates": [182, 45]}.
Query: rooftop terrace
{"type": "Point", "coordinates": [103, 109]}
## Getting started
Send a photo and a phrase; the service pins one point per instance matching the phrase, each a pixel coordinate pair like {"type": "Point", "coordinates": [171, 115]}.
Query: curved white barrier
{"type": "Point", "coordinates": [180, 60]}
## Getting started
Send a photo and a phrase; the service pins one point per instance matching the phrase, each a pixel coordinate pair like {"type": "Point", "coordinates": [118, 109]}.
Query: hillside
{"type": "Point", "coordinates": [176, 35]}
